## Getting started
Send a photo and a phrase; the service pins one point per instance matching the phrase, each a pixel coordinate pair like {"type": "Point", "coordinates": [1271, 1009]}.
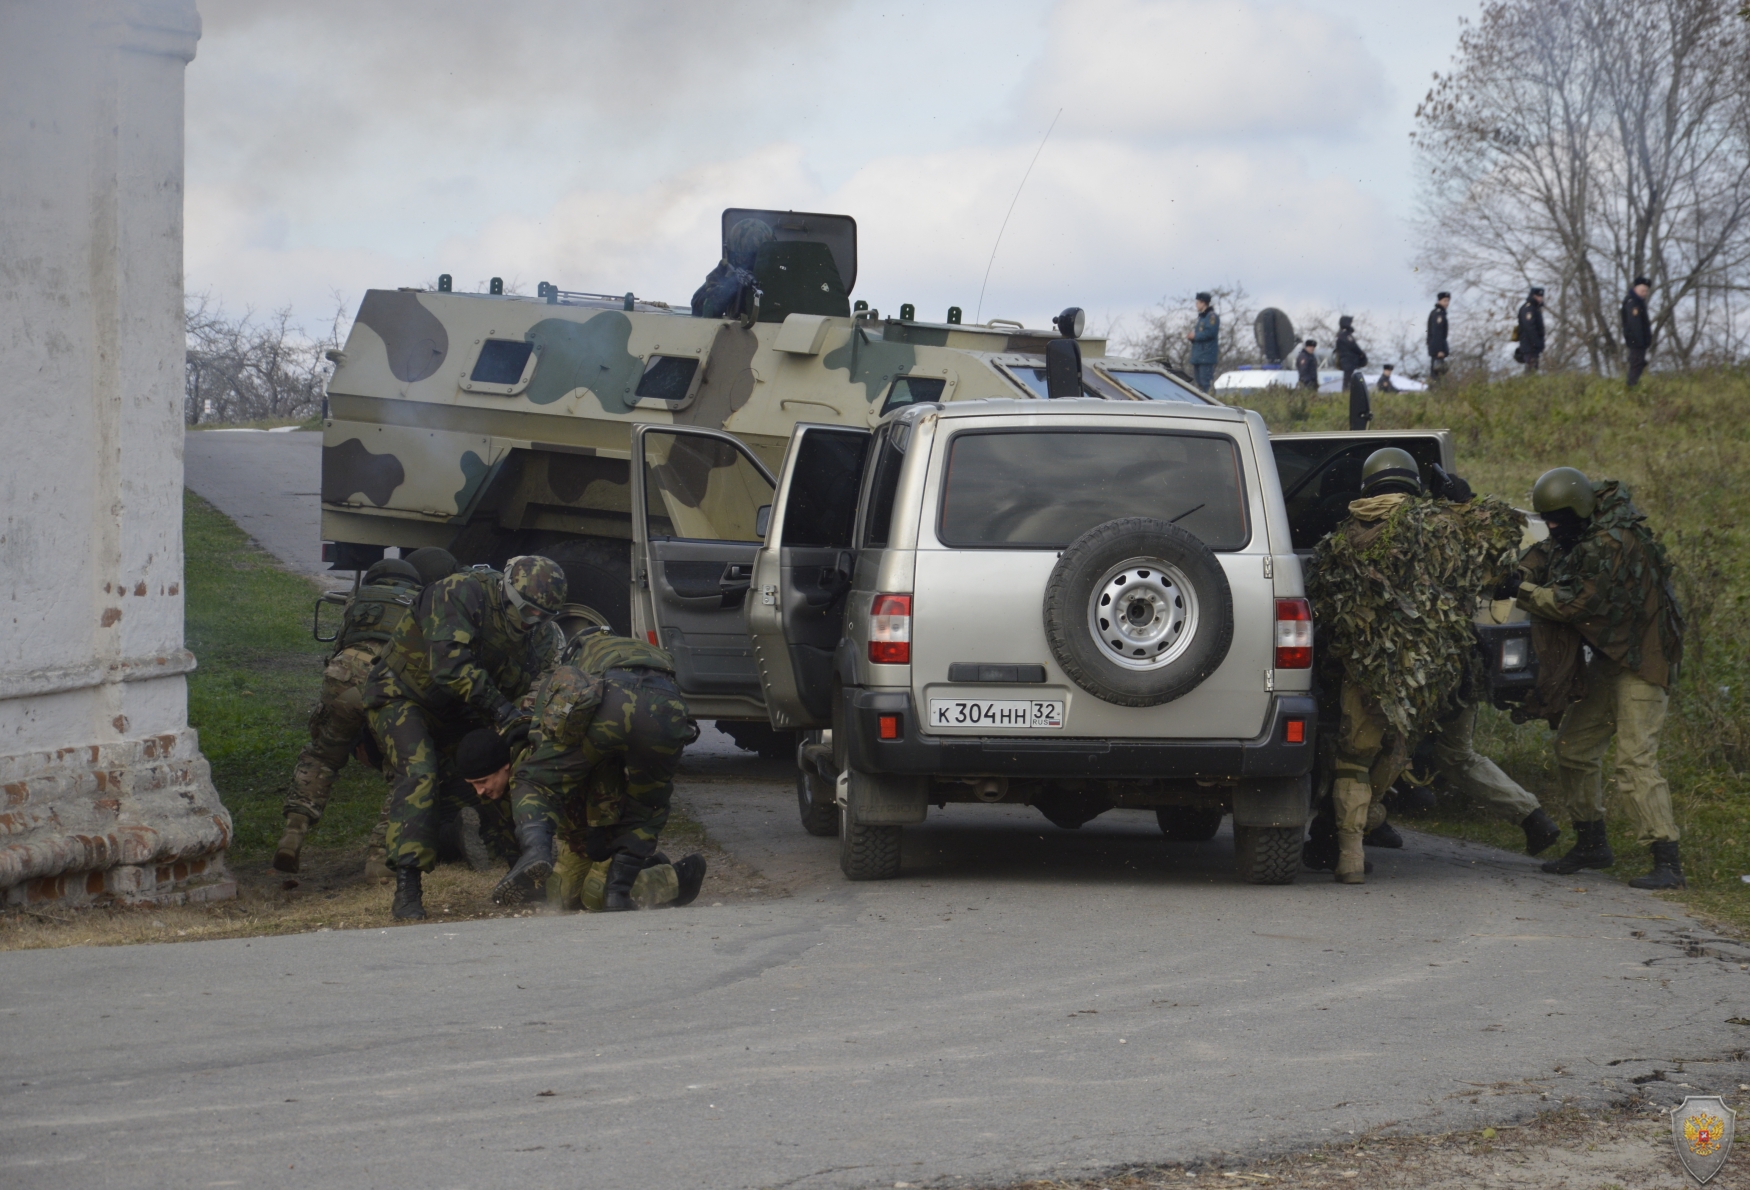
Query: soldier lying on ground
{"type": "Point", "coordinates": [1604, 575]}
{"type": "Point", "coordinates": [485, 762]}
{"type": "Point", "coordinates": [337, 721]}
{"type": "Point", "coordinates": [1394, 588]}
{"type": "Point", "coordinates": [608, 730]}
{"type": "Point", "coordinates": [472, 646]}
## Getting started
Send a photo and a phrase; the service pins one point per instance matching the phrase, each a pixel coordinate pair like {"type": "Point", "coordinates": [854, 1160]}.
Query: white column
{"type": "Point", "coordinates": [103, 791]}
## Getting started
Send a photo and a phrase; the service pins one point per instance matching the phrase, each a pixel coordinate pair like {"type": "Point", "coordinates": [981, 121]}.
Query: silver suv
{"type": "Point", "coordinates": [1079, 605]}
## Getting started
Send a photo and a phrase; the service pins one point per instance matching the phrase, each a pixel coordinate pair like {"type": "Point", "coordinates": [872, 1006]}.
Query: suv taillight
{"type": "Point", "coordinates": [890, 630]}
{"type": "Point", "coordinates": [1293, 634]}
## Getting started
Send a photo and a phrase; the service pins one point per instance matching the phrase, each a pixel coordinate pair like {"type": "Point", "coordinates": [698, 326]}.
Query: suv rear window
{"type": "Point", "coordinates": [1041, 489]}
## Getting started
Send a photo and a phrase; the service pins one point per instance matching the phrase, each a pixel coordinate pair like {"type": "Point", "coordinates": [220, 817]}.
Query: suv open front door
{"type": "Point", "coordinates": [803, 574]}
{"type": "Point", "coordinates": [699, 499]}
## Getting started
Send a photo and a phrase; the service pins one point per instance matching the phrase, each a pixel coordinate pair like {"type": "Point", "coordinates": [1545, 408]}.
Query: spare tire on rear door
{"type": "Point", "coordinates": [1138, 612]}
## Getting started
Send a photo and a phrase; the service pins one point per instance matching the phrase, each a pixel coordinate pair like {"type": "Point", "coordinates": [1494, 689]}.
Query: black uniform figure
{"type": "Point", "coordinates": [1350, 357]}
{"type": "Point", "coordinates": [1437, 348]}
{"type": "Point", "coordinates": [1637, 329]}
{"type": "Point", "coordinates": [1307, 364]}
{"type": "Point", "coordinates": [1385, 381]}
{"type": "Point", "coordinates": [1360, 404]}
{"type": "Point", "coordinates": [1531, 330]}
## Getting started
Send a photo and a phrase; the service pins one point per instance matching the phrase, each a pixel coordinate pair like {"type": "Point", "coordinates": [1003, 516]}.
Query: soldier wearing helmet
{"type": "Point", "coordinates": [337, 721]}
{"type": "Point", "coordinates": [609, 728]}
{"type": "Point", "coordinates": [472, 646]}
{"type": "Point", "coordinates": [723, 291]}
{"type": "Point", "coordinates": [1605, 576]}
{"type": "Point", "coordinates": [1393, 589]}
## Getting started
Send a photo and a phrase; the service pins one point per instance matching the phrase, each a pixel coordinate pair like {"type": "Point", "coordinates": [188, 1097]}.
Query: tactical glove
{"type": "Point", "coordinates": [1451, 487]}
{"type": "Point", "coordinates": [513, 723]}
{"type": "Point", "coordinates": [1508, 588]}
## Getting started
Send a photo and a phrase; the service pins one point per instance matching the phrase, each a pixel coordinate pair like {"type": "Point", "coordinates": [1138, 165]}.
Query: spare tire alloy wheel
{"type": "Point", "coordinates": [1138, 612]}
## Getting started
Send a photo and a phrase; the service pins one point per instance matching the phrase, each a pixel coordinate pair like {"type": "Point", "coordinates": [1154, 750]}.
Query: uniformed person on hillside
{"type": "Point", "coordinates": [1307, 365]}
{"type": "Point", "coordinates": [1438, 350]}
{"type": "Point", "coordinates": [1530, 330]}
{"type": "Point", "coordinates": [609, 726]}
{"type": "Point", "coordinates": [337, 721]}
{"type": "Point", "coordinates": [1348, 353]}
{"type": "Point", "coordinates": [471, 648]}
{"type": "Point", "coordinates": [1205, 340]}
{"type": "Point", "coordinates": [1637, 328]}
{"type": "Point", "coordinates": [1604, 574]}
{"type": "Point", "coordinates": [1394, 590]}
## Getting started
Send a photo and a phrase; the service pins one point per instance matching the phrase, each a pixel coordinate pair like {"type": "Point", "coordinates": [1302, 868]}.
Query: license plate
{"type": "Point", "coordinates": [1007, 713]}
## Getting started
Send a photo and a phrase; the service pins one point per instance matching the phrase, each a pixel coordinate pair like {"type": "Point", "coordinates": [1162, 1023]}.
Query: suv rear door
{"type": "Point", "coordinates": [803, 573]}
{"type": "Point", "coordinates": [698, 500]}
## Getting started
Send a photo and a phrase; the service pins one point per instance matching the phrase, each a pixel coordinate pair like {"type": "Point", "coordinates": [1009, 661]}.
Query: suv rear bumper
{"type": "Point", "coordinates": [914, 753]}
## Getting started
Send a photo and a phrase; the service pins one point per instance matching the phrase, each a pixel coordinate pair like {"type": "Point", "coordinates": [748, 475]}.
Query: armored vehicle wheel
{"type": "Point", "coordinates": [1138, 612]}
{"type": "Point", "coordinates": [1267, 854]}
{"type": "Point", "coordinates": [1188, 824]}
{"type": "Point", "coordinates": [814, 798]}
{"type": "Point", "coordinates": [868, 852]}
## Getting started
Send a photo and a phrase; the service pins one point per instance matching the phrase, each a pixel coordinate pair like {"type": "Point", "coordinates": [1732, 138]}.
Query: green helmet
{"type": "Point", "coordinates": [534, 586]}
{"type": "Point", "coordinates": [391, 568]}
{"type": "Point", "coordinates": [1564, 487]}
{"type": "Point", "coordinates": [432, 563]}
{"type": "Point", "coordinates": [1390, 467]}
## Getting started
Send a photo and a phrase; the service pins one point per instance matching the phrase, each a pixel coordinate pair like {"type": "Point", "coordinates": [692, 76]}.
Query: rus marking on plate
{"type": "Point", "coordinates": [1031, 715]}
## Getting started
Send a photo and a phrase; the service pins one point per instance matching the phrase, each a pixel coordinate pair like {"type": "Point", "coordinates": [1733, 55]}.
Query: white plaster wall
{"type": "Point", "coordinates": [91, 367]}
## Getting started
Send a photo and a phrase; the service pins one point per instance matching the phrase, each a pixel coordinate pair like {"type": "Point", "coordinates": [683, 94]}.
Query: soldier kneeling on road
{"type": "Point", "coordinates": [608, 729]}
{"type": "Point", "coordinates": [1604, 575]}
{"type": "Point", "coordinates": [338, 721]}
{"type": "Point", "coordinates": [1394, 589]}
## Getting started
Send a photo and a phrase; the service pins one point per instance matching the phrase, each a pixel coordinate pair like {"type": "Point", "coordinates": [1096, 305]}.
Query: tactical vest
{"type": "Point", "coordinates": [373, 613]}
{"type": "Point", "coordinates": [598, 652]}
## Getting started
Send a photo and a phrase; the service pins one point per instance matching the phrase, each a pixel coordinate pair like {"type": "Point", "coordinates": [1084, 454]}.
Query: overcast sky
{"type": "Point", "coordinates": [339, 146]}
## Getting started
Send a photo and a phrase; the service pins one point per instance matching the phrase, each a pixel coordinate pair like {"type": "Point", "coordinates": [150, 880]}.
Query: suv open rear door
{"type": "Point", "coordinates": [803, 573]}
{"type": "Point", "coordinates": [699, 501]}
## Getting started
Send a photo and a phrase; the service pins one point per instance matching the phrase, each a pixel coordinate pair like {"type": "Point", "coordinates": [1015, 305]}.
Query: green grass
{"type": "Point", "coordinates": [1682, 443]}
{"type": "Point", "coordinates": [248, 625]}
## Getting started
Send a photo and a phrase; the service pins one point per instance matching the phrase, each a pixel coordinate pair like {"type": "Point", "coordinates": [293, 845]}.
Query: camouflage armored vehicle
{"type": "Point", "coordinates": [498, 424]}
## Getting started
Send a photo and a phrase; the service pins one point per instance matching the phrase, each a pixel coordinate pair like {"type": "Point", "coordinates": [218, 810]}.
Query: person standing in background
{"type": "Point", "coordinates": [1307, 364]}
{"type": "Point", "coordinates": [1437, 346]}
{"type": "Point", "coordinates": [1205, 340]}
{"type": "Point", "coordinates": [1637, 328]}
{"type": "Point", "coordinates": [1350, 357]}
{"type": "Point", "coordinates": [1385, 382]}
{"type": "Point", "coordinates": [1530, 329]}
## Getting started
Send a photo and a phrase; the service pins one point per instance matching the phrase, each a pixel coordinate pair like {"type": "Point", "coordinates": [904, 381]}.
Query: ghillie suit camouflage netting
{"type": "Point", "coordinates": [1395, 597]}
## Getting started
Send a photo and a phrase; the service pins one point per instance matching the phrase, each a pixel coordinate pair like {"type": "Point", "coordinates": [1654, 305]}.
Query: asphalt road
{"type": "Point", "coordinates": [270, 483]}
{"type": "Point", "coordinates": [1023, 1001]}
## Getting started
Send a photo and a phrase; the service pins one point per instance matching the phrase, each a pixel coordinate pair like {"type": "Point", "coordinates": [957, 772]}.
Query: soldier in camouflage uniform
{"type": "Point", "coordinates": [1394, 588]}
{"type": "Point", "coordinates": [1604, 574]}
{"type": "Point", "coordinates": [609, 728]}
{"type": "Point", "coordinates": [471, 648]}
{"type": "Point", "coordinates": [337, 721]}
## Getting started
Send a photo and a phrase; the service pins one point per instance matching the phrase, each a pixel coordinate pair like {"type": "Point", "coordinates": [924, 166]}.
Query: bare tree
{"type": "Point", "coordinates": [1164, 328]}
{"type": "Point", "coordinates": [1577, 144]}
{"type": "Point", "coordinates": [241, 369]}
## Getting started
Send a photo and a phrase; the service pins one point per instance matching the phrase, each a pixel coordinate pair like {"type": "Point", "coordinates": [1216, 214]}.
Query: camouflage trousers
{"type": "Point", "coordinates": [1620, 703]}
{"type": "Point", "coordinates": [1369, 758]}
{"type": "Point", "coordinates": [577, 883]}
{"type": "Point", "coordinates": [611, 792]}
{"type": "Point", "coordinates": [424, 786]}
{"type": "Point", "coordinates": [1475, 775]}
{"type": "Point", "coordinates": [338, 722]}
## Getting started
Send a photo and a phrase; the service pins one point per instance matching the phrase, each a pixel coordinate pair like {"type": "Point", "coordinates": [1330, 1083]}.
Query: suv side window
{"type": "Point", "coordinates": [889, 457]}
{"type": "Point", "coordinates": [823, 489]}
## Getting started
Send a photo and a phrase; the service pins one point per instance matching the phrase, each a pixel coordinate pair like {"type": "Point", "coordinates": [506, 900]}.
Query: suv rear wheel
{"type": "Point", "coordinates": [1188, 824]}
{"type": "Point", "coordinates": [867, 852]}
{"type": "Point", "coordinates": [1268, 854]}
{"type": "Point", "coordinates": [1138, 612]}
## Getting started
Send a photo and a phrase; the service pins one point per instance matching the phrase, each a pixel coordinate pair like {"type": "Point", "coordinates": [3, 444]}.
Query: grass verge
{"type": "Point", "coordinates": [1682, 443]}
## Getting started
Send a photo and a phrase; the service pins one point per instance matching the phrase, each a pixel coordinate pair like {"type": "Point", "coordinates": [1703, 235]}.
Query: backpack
{"type": "Point", "coordinates": [373, 613]}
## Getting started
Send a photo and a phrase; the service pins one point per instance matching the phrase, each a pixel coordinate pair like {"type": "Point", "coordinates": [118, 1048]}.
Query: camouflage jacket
{"type": "Point", "coordinates": [461, 648]}
{"type": "Point", "coordinates": [598, 652]}
{"type": "Point", "coordinates": [1394, 591]}
{"type": "Point", "coordinates": [1614, 586]}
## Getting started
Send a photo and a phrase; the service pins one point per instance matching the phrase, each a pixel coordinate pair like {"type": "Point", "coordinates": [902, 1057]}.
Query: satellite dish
{"type": "Point", "coordinates": [1275, 334]}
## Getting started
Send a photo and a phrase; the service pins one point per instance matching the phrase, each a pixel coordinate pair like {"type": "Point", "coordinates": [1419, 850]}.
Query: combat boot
{"type": "Point", "coordinates": [1591, 850]}
{"type": "Point", "coordinates": [285, 856]}
{"type": "Point", "coordinates": [1667, 869]}
{"type": "Point", "coordinates": [1540, 831]}
{"type": "Point", "coordinates": [691, 874]}
{"type": "Point", "coordinates": [1352, 865]}
{"type": "Point", "coordinates": [617, 895]}
{"type": "Point", "coordinates": [409, 895]}
{"type": "Point", "coordinates": [1383, 835]}
{"type": "Point", "coordinates": [529, 874]}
